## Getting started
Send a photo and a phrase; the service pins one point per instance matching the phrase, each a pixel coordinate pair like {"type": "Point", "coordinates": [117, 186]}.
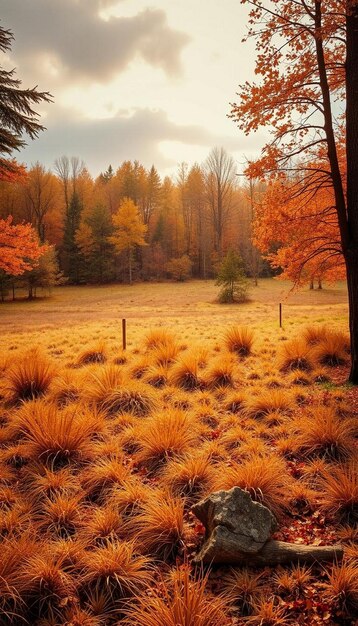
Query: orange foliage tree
{"type": "Point", "coordinates": [307, 56]}
{"type": "Point", "coordinates": [19, 247]}
{"type": "Point", "coordinates": [300, 237]}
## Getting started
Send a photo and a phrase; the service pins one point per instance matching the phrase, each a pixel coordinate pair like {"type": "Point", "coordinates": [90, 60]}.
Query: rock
{"type": "Point", "coordinates": [233, 521]}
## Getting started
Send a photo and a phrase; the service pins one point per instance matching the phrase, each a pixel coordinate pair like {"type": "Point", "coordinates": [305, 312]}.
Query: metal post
{"type": "Point", "coordinates": [280, 314]}
{"type": "Point", "coordinates": [124, 334]}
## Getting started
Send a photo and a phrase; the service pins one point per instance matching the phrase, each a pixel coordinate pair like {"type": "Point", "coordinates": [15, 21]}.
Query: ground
{"type": "Point", "coordinates": [103, 452]}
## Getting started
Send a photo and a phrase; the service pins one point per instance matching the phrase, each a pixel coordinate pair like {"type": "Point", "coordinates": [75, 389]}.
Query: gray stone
{"type": "Point", "coordinates": [233, 522]}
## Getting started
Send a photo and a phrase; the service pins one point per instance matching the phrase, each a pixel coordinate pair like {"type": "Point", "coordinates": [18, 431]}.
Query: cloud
{"type": "Point", "coordinates": [127, 136]}
{"type": "Point", "coordinates": [82, 45]}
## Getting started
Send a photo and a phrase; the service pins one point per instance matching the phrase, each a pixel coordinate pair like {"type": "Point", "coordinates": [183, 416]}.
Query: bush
{"type": "Point", "coordinates": [180, 269]}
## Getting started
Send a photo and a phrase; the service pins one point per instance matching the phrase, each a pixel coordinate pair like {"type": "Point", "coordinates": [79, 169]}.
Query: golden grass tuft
{"type": "Point", "coordinates": [342, 589]}
{"type": "Point", "coordinates": [99, 476]}
{"type": "Point", "coordinates": [333, 350]}
{"type": "Point", "coordinates": [45, 580]}
{"type": "Point", "coordinates": [129, 498]}
{"type": "Point", "coordinates": [314, 335]}
{"type": "Point", "coordinates": [158, 337]}
{"type": "Point", "coordinates": [112, 392]}
{"type": "Point", "coordinates": [117, 568]}
{"type": "Point", "coordinates": [92, 355]}
{"type": "Point", "coordinates": [264, 477]}
{"type": "Point", "coordinates": [102, 524]}
{"type": "Point", "coordinates": [28, 377]}
{"type": "Point", "coordinates": [57, 436]}
{"type": "Point", "coordinates": [266, 612]}
{"type": "Point", "coordinates": [220, 373]}
{"type": "Point", "coordinates": [181, 601]}
{"type": "Point", "coordinates": [292, 581]}
{"type": "Point", "coordinates": [165, 435]}
{"type": "Point", "coordinates": [159, 527]}
{"type": "Point", "coordinates": [295, 355]}
{"type": "Point", "coordinates": [60, 516]}
{"type": "Point", "coordinates": [185, 373]}
{"type": "Point", "coordinates": [339, 485]}
{"type": "Point", "coordinates": [239, 339]}
{"type": "Point", "coordinates": [191, 477]}
{"type": "Point", "coordinates": [242, 587]}
{"type": "Point", "coordinates": [268, 401]}
{"type": "Point", "coordinates": [320, 432]}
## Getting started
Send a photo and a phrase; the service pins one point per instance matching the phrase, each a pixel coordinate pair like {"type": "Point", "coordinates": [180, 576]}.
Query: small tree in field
{"type": "Point", "coordinates": [231, 277]}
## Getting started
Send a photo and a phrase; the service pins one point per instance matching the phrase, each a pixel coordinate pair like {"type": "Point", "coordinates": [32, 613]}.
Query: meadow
{"type": "Point", "coordinates": [104, 451]}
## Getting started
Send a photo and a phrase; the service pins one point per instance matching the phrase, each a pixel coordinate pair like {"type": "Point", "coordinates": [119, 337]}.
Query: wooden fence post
{"type": "Point", "coordinates": [280, 314]}
{"type": "Point", "coordinates": [124, 334]}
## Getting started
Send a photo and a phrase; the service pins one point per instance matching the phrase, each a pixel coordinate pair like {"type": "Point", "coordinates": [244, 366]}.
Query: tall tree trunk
{"type": "Point", "coordinates": [351, 254]}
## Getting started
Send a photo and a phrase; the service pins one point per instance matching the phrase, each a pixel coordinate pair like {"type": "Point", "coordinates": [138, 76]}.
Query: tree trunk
{"type": "Point", "coordinates": [351, 254]}
{"type": "Point", "coordinates": [277, 553]}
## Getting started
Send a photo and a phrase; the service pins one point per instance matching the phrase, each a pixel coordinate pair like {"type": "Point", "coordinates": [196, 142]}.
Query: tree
{"type": "Point", "coordinates": [180, 268]}
{"type": "Point", "coordinates": [92, 240]}
{"type": "Point", "coordinates": [219, 172]}
{"type": "Point", "coordinates": [307, 58]}
{"type": "Point", "coordinates": [16, 113]}
{"type": "Point", "coordinates": [232, 278]}
{"type": "Point", "coordinates": [20, 249]}
{"type": "Point", "coordinates": [45, 274]}
{"type": "Point", "coordinates": [71, 252]}
{"type": "Point", "coordinates": [129, 231]}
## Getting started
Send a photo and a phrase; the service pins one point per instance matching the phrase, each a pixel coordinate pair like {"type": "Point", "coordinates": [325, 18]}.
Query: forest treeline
{"type": "Point", "coordinates": [129, 224]}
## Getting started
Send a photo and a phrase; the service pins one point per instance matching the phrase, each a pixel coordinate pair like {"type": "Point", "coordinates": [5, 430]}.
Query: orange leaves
{"type": "Point", "coordinates": [19, 247]}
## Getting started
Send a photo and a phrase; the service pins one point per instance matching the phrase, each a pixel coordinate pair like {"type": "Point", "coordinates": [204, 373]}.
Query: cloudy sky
{"type": "Point", "coordinates": [132, 79]}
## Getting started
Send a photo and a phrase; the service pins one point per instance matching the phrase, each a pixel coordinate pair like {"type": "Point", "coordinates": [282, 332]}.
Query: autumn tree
{"type": "Point", "coordinates": [307, 58]}
{"type": "Point", "coordinates": [20, 249]}
{"type": "Point", "coordinates": [219, 172]}
{"type": "Point", "coordinates": [16, 113]}
{"type": "Point", "coordinates": [129, 231]}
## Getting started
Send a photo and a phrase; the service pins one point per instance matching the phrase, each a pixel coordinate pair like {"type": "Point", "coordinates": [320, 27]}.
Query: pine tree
{"type": "Point", "coordinates": [231, 277]}
{"type": "Point", "coordinates": [16, 113]}
{"type": "Point", "coordinates": [71, 254]}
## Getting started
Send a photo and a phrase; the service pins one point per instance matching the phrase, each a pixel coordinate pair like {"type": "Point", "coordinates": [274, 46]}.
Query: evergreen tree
{"type": "Point", "coordinates": [16, 113]}
{"type": "Point", "coordinates": [231, 277]}
{"type": "Point", "coordinates": [92, 238]}
{"type": "Point", "coordinates": [71, 258]}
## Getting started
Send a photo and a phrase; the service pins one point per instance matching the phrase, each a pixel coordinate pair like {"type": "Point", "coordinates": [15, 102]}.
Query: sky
{"type": "Point", "coordinates": [150, 80]}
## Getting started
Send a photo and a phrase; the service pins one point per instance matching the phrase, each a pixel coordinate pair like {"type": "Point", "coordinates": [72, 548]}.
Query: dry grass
{"type": "Point", "coordinates": [320, 432]}
{"type": "Point", "coordinates": [340, 491]}
{"type": "Point", "coordinates": [181, 601]}
{"type": "Point", "coordinates": [97, 474]}
{"type": "Point", "coordinates": [57, 436]}
{"type": "Point", "coordinates": [265, 478]}
{"type": "Point", "coordinates": [28, 377]}
{"type": "Point", "coordinates": [239, 340]}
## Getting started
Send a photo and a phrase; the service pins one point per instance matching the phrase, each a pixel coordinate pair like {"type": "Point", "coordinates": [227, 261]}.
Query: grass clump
{"type": "Point", "coordinates": [28, 377]}
{"type": "Point", "coordinates": [239, 340]}
{"type": "Point", "coordinates": [181, 601]}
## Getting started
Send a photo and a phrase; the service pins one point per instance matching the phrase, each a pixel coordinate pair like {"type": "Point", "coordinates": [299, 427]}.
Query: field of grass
{"type": "Point", "coordinates": [74, 316]}
{"type": "Point", "coordinates": [104, 451]}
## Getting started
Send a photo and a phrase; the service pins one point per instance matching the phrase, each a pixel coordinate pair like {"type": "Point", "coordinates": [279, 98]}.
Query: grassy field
{"type": "Point", "coordinates": [104, 452]}
{"type": "Point", "coordinates": [74, 316]}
